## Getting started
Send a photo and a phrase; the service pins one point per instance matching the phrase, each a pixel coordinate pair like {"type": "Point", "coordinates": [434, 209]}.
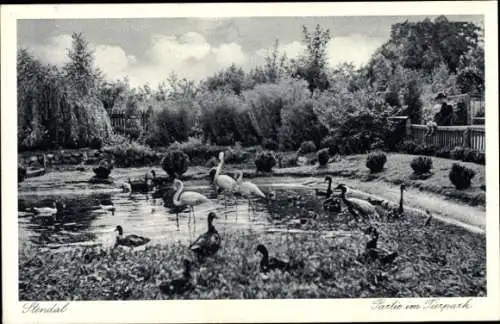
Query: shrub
{"type": "Point", "coordinates": [330, 142]}
{"type": "Point", "coordinates": [270, 144]}
{"type": "Point", "coordinates": [96, 143]}
{"type": "Point", "coordinates": [212, 162]}
{"type": "Point", "coordinates": [265, 161]}
{"type": "Point", "coordinates": [443, 153]}
{"type": "Point", "coordinates": [407, 147]}
{"type": "Point", "coordinates": [375, 162]}
{"type": "Point", "coordinates": [307, 147]}
{"type": "Point", "coordinates": [287, 160]}
{"type": "Point", "coordinates": [457, 153]}
{"type": "Point", "coordinates": [175, 163]}
{"type": "Point", "coordinates": [236, 154]}
{"type": "Point", "coordinates": [424, 149]}
{"type": "Point", "coordinates": [131, 154]}
{"type": "Point", "coordinates": [461, 176]}
{"type": "Point", "coordinates": [480, 158]}
{"type": "Point", "coordinates": [469, 155]}
{"type": "Point", "coordinates": [323, 156]}
{"type": "Point", "coordinates": [421, 164]}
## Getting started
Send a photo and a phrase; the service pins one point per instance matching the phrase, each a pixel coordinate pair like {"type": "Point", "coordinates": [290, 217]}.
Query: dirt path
{"type": "Point", "coordinates": [415, 201]}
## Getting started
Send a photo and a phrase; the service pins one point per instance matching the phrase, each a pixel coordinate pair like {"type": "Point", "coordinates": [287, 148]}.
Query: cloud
{"type": "Point", "coordinates": [55, 52]}
{"type": "Point", "coordinates": [227, 54]}
{"type": "Point", "coordinates": [356, 49]}
{"type": "Point", "coordinates": [191, 56]}
{"type": "Point", "coordinates": [113, 61]}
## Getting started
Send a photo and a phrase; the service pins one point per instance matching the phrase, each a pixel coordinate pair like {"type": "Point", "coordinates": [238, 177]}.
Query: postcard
{"type": "Point", "coordinates": [252, 162]}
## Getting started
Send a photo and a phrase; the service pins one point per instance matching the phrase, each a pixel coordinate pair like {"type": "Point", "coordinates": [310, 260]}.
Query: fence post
{"type": "Point", "coordinates": [466, 138]}
{"type": "Point", "coordinates": [408, 127]}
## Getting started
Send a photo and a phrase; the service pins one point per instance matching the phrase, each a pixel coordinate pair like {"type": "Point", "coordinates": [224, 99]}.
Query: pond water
{"type": "Point", "coordinates": [85, 222]}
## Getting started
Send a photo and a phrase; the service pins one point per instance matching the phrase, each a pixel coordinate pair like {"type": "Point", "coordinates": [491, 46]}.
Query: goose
{"type": "Point", "coordinates": [209, 242]}
{"type": "Point", "coordinates": [131, 240]}
{"type": "Point", "coordinates": [247, 189]}
{"type": "Point", "coordinates": [21, 173]}
{"type": "Point", "coordinates": [144, 185]}
{"type": "Point", "coordinates": [269, 264]}
{"type": "Point", "coordinates": [107, 204]}
{"type": "Point", "coordinates": [328, 193]}
{"type": "Point", "coordinates": [187, 198]}
{"type": "Point", "coordinates": [373, 253]}
{"type": "Point", "coordinates": [400, 208]}
{"type": "Point", "coordinates": [357, 206]}
{"type": "Point", "coordinates": [223, 183]}
{"type": "Point", "coordinates": [179, 285]}
{"type": "Point", "coordinates": [429, 218]}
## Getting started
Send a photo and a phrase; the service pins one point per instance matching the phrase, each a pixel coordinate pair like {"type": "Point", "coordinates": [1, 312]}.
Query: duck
{"type": "Point", "coordinates": [373, 253]}
{"type": "Point", "coordinates": [328, 193]}
{"type": "Point", "coordinates": [179, 285]}
{"type": "Point", "coordinates": [208, 243]}
{"type": "Point", "coordinates": [356, 206]}
{"type": "Point", "coordinates": [187, 198]}
{"type": "Point", "coordinates": [332, 204]}
{"type": "Point", "coordinates": [55, 209]}
{"type": "Point", "coordinates": [107, 204]}
{"type": "Point", "coordinates": [269, 264]}
{"type": "Point", "coordinates": [131, 240]}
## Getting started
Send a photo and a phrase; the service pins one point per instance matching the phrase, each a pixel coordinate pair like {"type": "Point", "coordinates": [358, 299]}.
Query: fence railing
{"type": "Point", "coordinates": [119, 120]}
{"type": "Point", "coordinates": [471, 136]}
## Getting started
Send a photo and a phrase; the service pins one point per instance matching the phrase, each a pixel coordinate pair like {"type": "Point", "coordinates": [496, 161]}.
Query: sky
{"type": "Point", "coordinates": [147, 50]}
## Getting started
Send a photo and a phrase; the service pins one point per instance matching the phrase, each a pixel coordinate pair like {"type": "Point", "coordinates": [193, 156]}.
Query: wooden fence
{"type": "Point", "coordinates": [449, 136]}
{"type": "Point", "coordinates": [119, 121]}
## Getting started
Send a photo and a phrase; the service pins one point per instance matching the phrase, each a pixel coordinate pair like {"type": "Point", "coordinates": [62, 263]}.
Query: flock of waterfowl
{"type": "Point", "coordinates": [207, 244]}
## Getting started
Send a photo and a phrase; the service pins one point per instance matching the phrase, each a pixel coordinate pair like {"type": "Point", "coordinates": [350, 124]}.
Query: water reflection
{"type": "Point", "coordinates": [85, 222]}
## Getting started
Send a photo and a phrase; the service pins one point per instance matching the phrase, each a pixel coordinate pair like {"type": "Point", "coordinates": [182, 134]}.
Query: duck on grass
{"type": "Point", "coordinates": [331, 266]}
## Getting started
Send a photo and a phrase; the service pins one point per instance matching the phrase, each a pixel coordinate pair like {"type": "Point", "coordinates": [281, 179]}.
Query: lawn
{"type": "Point", "coordinates": [437, 260]}
{"type": "Point", "coordinates": [397, 170]}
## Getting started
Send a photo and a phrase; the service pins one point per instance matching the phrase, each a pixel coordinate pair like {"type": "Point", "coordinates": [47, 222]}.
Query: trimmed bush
{"type": "Point", "coordinates": [270, 144]}
{"type": "Point", "coordinates": [265, 161]}
{"type": "Point", "coordinates": [175, 163]}
{"type": "Point", "coordinates": [323, 156]}
{"type": "Point", "coordinates": [461, 176]}
{"type": "Point", "coordinates": [376, 161]}
{"type": "Point", "coordinates": [96, 143]}
{"type": "Point", "coordinates": [307, 147]}
{"type": "Point", "coordinates": [421, 164]}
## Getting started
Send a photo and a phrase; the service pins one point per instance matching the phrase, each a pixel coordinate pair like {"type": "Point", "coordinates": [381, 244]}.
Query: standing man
{"type": "Point", "coordinates": [445, 116]}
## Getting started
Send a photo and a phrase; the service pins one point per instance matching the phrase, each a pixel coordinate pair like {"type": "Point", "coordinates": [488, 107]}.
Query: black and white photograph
{"type": "Point", "coordinates": [260, 157]}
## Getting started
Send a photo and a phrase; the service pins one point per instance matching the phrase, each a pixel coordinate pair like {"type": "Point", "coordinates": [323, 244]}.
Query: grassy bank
{"type": "Point", "coordinates": [438, 260]}
{"type": "Point", "coordinates": [397, 170]}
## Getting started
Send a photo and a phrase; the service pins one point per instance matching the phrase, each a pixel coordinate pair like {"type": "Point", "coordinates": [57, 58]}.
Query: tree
{"type": "Point", "coordinates": [313, 66]}
{"type": "Point", "coordinates": [80, 69]}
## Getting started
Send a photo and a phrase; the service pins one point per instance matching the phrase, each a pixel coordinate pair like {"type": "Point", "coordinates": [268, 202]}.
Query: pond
{"type": "Point", "coordinates": [85, 222]}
